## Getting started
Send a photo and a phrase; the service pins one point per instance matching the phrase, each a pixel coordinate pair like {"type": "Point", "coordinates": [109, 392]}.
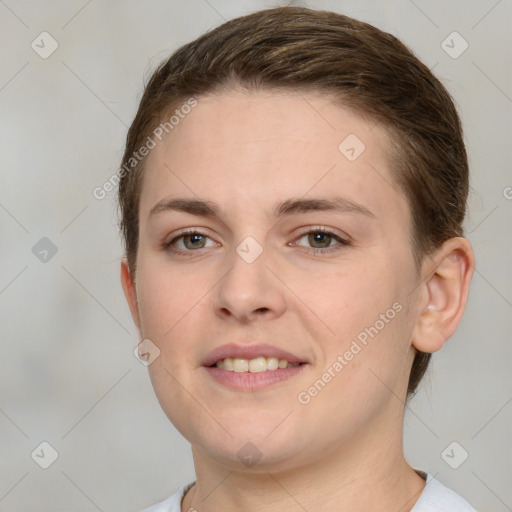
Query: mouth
{"type": "Point", "coordinates": [252, 367]}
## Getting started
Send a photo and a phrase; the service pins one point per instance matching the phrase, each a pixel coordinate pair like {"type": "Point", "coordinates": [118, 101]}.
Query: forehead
{"type": "Point", "coordinates": [249, 150]}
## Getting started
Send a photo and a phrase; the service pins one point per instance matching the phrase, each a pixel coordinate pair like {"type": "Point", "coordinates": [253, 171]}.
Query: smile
{"type": "Point", "coordinates": [249, 367]}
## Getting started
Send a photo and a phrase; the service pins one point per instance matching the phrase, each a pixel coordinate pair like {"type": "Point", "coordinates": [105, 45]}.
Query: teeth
{"type": "Point", "coordinates": [259, 364]}
{"type": "Point", "coordinates": [273, 363]}
{"type": "Point", "coordinates": [283, 363]}
{"type": "Point", "coordinates": [240, 365]}
{"type": "Point", "coordinates": [256, 365]}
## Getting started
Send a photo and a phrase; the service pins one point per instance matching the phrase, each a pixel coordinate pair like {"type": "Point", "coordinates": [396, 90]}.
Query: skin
{"type": "Point", "coordinates": [344, 448]}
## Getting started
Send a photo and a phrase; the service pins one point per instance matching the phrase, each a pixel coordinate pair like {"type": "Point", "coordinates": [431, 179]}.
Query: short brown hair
{"type": "Point", "coordinates": [368, 70]}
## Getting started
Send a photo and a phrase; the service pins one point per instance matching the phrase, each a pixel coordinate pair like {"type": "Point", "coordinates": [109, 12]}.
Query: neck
{"type": "Point", "coordinates": [366, 473]}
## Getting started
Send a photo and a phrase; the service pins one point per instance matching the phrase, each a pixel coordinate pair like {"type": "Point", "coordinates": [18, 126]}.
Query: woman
{"type": "Point", "coordinates": [292, 193]}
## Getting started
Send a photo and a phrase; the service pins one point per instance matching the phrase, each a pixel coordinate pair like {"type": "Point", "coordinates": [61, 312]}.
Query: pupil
{"type": "Point", "coordinates": [194, 238]}
{"type": "Point", "coordinates": [317, 237]}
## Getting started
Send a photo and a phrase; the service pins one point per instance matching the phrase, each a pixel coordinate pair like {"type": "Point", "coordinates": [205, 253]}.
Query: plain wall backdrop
{"type": "Point", "coordinates": [68, 376]}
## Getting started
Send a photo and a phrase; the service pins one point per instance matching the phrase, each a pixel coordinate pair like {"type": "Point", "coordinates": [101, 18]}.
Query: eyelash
{"type": "Point", "coordinates": [342, 241]}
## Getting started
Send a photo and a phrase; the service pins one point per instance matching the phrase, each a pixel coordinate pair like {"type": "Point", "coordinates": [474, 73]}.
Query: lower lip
{"type": "Point", "coordinates": [247, 381]}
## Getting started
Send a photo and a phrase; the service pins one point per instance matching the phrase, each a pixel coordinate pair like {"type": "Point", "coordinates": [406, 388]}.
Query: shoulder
{"type": "Point", "coordinates": [438, 498]}
{"type": "Point", "coordinates": [172, 503]}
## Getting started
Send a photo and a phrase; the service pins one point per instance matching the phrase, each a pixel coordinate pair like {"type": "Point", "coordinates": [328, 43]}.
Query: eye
{"type": "Point", "coordinates": [321, 240]}
{"type": "Point", "coordinates": [190, 240]}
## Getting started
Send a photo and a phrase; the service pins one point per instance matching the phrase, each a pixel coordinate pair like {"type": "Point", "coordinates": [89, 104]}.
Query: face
{"type": "Point", "coordinates": [296, 249]}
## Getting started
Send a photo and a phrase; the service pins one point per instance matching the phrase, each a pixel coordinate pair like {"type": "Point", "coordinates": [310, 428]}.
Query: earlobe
{"type": "Point", "coordinates": [130, 292]}
{"type": "Point", "coordinates": [445, 293]}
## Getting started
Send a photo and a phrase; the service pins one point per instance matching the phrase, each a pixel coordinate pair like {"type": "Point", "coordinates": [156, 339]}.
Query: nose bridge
{"type": "Point", "coordinates": [250, 287]}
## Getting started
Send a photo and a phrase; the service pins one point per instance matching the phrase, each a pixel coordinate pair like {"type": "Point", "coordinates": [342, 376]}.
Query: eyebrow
{"type": "Point", "coordinates": [210, 209]}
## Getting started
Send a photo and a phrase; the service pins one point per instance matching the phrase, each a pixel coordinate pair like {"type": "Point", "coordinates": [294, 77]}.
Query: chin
{"type": "Point", "coordinates": [253, 456]}
{"type": "Point", "coordinates": [251, 450]}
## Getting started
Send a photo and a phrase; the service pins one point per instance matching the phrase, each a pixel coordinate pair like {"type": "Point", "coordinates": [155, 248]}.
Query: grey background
{"type": "Point", "coordinates": [67, 372]}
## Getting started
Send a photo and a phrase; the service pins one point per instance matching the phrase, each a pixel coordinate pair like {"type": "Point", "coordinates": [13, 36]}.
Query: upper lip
{"type": "Point", "coordinates": [247, 351]}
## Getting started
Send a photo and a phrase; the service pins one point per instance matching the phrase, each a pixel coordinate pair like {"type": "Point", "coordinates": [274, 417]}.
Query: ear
{"type": "Point", "coordinates": [130, 292]}
{"type": "Point", "coordinates": [444, 292]}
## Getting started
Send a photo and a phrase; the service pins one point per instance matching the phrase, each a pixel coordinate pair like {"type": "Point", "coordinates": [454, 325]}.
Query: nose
{"type": "Point", "coordinates": [250, 289]}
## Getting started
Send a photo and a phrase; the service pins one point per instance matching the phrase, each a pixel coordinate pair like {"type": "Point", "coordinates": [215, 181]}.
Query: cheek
{"type": "Point", "coordinates": [348, 300]}
{"type": "Point", "coordinates": [367, 320]}
{"type": "Point", "coordinates": [174, 307]}
{"type": "Point", "coordinates": [166, 296]}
